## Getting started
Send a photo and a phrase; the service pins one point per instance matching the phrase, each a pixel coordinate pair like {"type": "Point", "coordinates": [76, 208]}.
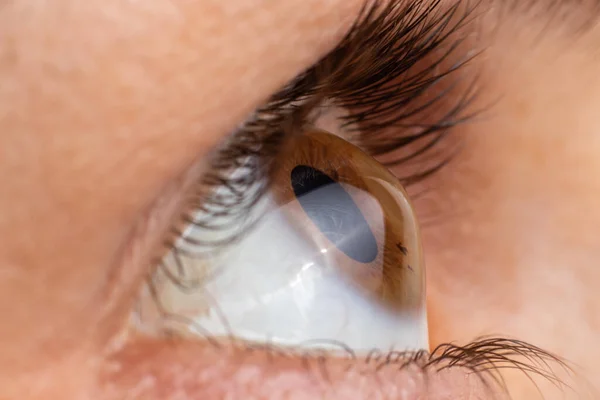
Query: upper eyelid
{"type": "Point", "coordinates": [254, 146]}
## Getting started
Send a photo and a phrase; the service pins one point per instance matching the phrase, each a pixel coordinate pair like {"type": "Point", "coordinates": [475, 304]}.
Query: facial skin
{"type": "Point", "coordinates": [108, 109]}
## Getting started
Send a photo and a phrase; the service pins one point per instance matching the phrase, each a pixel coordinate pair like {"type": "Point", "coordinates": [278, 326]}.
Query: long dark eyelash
{"type": "Point", "coordinates": [485, 357]}
{"type": "Point", "coordinates": [375, 75]}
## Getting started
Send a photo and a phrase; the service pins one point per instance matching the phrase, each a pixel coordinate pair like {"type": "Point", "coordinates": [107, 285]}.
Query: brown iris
{"type": "Point", "coordinates": [355, 209]}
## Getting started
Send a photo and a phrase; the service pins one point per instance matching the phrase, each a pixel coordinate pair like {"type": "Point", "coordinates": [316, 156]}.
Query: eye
{"type": "Point", "coordinates": [334, 257]}
{"type": "Point", "coordinates": [334, 253]}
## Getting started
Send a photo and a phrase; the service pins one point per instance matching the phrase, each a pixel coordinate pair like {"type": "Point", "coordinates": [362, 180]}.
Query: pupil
{"type": "Point", "coordinates": [334, 212]}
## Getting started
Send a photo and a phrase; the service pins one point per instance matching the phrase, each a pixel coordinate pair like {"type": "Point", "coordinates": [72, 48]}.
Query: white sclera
{"type": "Point", "coordinates": [281, 284]}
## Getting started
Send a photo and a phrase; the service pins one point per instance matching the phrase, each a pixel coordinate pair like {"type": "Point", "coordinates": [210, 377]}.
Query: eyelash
{"type": "Point", "coordinates": [380, 90]}
{"type": "Point", "coordinates": [383, 93]}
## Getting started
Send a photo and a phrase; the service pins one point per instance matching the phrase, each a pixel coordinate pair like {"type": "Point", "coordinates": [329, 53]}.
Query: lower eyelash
{"type": "Point", "coordinates": [488, 355]}
{"type": "Point", "coordinates": [485, 357]}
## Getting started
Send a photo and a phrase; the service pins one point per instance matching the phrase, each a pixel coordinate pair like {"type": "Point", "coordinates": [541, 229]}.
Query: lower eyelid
{"type": "Point", "coordinates": [149, 369]}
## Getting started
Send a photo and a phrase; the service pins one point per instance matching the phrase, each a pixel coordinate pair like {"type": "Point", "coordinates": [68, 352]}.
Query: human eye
{"type": "Point", "coordinates": [334, 247]}
{"type": "Point", "coordinates": [251, 260]}
{"type": "Point", "coordinates": [263, 253]}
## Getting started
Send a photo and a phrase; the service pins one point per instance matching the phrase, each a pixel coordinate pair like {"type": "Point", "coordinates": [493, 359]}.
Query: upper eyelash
{"type": "Point", "coordinates": [376, 87]}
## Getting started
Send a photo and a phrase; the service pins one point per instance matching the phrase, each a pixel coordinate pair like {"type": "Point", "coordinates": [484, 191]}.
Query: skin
{"type": "Point", "coordinates": [108, 109]}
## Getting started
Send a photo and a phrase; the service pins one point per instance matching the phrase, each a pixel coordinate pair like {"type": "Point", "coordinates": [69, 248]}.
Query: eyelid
{"type": "Point", "coordinates": [386, 108]}
{"type": "Point", "coordinates": [157, 369]}
{"type": "Point", "coordinates": [197, 370]}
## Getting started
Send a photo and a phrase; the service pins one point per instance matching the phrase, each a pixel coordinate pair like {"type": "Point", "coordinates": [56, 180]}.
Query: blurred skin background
{"type": "Point", "coordinates": [108, 110]}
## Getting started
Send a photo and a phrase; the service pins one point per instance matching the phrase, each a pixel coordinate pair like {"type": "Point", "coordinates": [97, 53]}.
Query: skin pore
{"type": "Point", "coordinates": [108, 110]}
